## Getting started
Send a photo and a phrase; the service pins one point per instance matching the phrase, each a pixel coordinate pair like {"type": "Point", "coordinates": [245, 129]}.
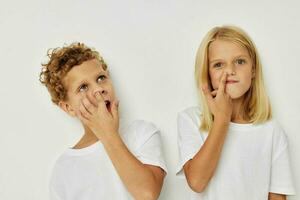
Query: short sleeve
{"type": "Point", "coordinates": [281, 181]}
{"type": "Point", "coordinates": [54, 195]}
{"type": "Point", "coordinates": [189, 139]}
{"type": "Point", "coordinates": [56, 185]}
{"type": "Point", "coordinates": [149, 148]}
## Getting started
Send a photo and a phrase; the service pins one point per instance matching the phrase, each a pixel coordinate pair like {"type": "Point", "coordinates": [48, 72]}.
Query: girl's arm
{"type": "Point", "coordinates": [273, 196]}
{"type": "Point", "coordinates": [201, 168]}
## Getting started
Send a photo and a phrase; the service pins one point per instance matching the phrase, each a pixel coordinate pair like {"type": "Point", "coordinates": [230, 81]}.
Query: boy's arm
{"type": "Point", "coordinates": [142, 181]}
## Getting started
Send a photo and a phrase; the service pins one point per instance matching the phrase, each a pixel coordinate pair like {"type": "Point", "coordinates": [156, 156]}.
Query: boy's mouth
{"type": "Point", "coordinates": [108, 105]}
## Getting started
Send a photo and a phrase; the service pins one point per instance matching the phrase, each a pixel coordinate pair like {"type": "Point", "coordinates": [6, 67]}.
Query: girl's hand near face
{"type": "Point", "coordinates": [219, 102]}
{"type": "Point", "coordinates": [95, 115]}
{"type": "Point", "coordinates": [199, 170]}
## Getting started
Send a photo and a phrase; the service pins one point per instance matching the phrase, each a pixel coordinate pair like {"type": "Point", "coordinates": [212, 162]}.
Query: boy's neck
{"type": "Point", "coordinates": [86, 140]}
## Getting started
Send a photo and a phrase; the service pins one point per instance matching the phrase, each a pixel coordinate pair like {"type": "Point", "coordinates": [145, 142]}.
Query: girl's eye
{"type": "Point", "coordinates": [101, 78]}
{"type": "Point", "coordinates": [240, 61]}
{"type": "Point", "coordinates": [218, 65]}
{"type": "Point", "coordinates": [83, 87]}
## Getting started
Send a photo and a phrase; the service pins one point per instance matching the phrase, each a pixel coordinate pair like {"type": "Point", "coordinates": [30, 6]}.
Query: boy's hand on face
{"type": "Point", "coordinates": [97, 117]}
{"type": "Point", "coordinates": [219, 102]}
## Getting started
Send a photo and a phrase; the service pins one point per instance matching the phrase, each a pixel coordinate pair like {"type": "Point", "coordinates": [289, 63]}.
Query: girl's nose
{"type": "Point", "coordinates": [230, 70]}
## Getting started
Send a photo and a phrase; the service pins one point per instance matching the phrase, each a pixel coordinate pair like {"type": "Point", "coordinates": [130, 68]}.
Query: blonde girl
{"type": "Point", "coordinates": [230, 147]}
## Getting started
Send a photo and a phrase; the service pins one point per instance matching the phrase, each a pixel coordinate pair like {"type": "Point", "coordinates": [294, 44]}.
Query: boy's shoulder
{"type": "Point", "coordinates": [191, 113]}
{"type": "Point", "coordinates": [138, 132]}
{"type": "Point", "coordinates": [190, 110]}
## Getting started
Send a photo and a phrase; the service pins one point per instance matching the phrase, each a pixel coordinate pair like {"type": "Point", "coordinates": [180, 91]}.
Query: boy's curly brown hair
{"type": "Point", "coordinates": [61, 61]}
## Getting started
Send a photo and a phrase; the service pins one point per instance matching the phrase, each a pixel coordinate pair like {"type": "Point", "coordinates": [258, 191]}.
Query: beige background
{"type": "Point", "coordinates": [150, 47]}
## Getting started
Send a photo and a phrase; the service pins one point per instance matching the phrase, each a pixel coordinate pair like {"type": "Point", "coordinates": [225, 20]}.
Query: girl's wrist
{"type": "Point", "coordinates": [222, 118]}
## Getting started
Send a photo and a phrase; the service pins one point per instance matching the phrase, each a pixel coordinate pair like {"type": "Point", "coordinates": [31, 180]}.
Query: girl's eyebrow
{"type": "Point", "coordinates": [219, 59]}
{"type": "Point", "coordinates": [241, 55]}
{"type": "Point", "coordinates": [215, 60]}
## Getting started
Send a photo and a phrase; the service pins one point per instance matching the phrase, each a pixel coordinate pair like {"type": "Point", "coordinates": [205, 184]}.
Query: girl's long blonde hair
{"type": "Point", "coordinates": [256, 103]}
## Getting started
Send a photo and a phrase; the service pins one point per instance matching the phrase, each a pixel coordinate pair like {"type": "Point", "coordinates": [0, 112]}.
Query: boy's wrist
{"type": "Point", "coordinates": [111, 138]}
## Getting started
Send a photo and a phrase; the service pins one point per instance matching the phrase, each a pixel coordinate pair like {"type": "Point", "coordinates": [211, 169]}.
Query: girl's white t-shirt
{"type": "Point", "coordinates": [88, 173]}
{"type": "Point", "coordinates": [254, 159]}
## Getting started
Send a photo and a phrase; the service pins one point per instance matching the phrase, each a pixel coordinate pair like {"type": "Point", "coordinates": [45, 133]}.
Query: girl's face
{"type": "Point", "coordinates": [230, 57]}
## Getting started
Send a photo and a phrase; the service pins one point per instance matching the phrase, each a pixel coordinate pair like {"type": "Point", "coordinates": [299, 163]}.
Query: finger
{"type": "Point", "coordinates": [115, 109]}
{"type": "Point", "coordinates": [100, 100]}
{"type": "Point", "coordinates": [84, 111]}
{"type": "Point", "coordinates": [214, 93]}
{"type": "Point", "coordinates": [92, 99]}
{"type": "Point", "coordinates": [222, 83]}
{"type": "Point", "coordinates": [81, 117]}
{"type": "Point", "coordinates": [207, 94]}
{"type": "Point", "coordinates": [88, 106]}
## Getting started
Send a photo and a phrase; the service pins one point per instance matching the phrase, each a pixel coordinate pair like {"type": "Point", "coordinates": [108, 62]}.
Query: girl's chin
{"type": "Point", "coordinates": [235, 95]}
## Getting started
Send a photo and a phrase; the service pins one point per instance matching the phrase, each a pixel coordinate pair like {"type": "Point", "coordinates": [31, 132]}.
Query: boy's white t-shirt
{"type": "Point", "coordinates": [254, 159]}
{"type": "Point", "coordinates": [88, 173]}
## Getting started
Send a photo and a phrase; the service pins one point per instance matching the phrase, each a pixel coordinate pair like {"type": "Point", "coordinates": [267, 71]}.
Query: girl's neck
{"type": "Point", "coordinates": [238, 115]}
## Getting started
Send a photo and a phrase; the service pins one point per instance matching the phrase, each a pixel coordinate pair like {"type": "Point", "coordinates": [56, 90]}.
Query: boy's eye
{"type": "Point", "coordinates": [83, 87]}
{"type": "Point", "coordinates": [240, 61]}
{"type": "Point", "coordinates": [101, 78]}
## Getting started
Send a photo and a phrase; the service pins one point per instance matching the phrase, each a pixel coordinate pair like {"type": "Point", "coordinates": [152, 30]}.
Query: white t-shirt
{"type": "Point", "coordinates": [88, 173]}
{"type": "Point", "coordinates": [254, 159]}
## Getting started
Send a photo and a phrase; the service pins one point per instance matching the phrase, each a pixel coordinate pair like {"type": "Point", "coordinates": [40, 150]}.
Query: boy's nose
{"type": "Point", "coordinates": [100, 90]}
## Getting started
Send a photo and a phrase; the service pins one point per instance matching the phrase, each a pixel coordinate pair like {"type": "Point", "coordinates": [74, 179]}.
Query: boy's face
{"type": "Point", "coordinates": [85, 80]}
{"type": "Point", "coordinates": [227, 56]}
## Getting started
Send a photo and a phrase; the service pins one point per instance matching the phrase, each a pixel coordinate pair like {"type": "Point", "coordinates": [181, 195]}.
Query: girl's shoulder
{"type": "Point", "coordinates": [274, 125]}
{"type": "Point", "coordinates": [279, 133]}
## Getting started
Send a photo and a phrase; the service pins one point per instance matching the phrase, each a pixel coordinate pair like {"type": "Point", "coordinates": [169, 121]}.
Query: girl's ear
{"type": "Point", "coordinates": [67, 108]}
{"type": "Point", "coordinates": [253, 73]}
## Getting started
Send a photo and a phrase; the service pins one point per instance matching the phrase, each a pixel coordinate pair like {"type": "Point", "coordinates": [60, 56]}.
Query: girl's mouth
{"type": "Point", "coordinates": [231, 82]}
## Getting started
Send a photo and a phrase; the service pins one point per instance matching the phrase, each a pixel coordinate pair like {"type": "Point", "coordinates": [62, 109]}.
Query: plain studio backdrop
{"type": "Point", "coordinates": [150, 48]}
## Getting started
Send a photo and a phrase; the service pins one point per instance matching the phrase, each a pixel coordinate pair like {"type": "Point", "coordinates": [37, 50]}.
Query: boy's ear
{"type": "Point", "coordinates": [67, 108]}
